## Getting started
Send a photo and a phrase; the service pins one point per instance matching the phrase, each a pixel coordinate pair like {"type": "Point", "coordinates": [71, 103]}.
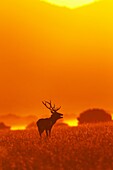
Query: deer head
{"type": "Point", "coordinates": [53, 109]}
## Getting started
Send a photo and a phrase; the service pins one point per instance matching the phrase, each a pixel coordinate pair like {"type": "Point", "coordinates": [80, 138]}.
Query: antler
{"type": "Point", "coordinates": [50, 107]}
{"type": "Point", "coordinates": [56, 109]}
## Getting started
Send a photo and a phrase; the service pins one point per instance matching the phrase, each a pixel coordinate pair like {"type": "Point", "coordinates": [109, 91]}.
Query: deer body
{"type": "Point", "coordinates": [47, 123]}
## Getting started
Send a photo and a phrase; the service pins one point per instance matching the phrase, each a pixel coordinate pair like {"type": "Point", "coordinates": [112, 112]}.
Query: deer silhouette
{"type": "Point", "coordinates": [47, 123]}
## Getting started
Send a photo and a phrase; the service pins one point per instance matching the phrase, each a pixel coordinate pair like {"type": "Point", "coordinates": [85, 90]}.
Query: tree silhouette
{"type": "Point", "coordinates": [4, 127]}
{"type": "Point", "coordinates": [94, 116]}
{"type": "Point", "coordinates": [32, 125]}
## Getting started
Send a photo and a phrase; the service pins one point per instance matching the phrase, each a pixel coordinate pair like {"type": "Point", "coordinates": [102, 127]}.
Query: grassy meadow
{"type": "Point", "coordinates": [87, 147]}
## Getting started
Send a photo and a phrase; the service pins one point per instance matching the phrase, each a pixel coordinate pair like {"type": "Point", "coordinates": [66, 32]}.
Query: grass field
{"type": "Point", "coordinates": [88, 147]}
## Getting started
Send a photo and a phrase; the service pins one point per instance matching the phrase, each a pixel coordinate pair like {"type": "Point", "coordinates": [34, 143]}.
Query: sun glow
{"type": "Point", "coordinates": [70, 3]}
{"type": "Point", "coordinates": [72, 122]}
{"type": "Point", "coordinates": [112, 116]}
{"type": "Point", "coordinates": [18, 127]}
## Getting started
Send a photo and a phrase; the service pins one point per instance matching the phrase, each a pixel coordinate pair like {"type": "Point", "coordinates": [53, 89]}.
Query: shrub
{"type": "Point", "coordinates": [94, 116]}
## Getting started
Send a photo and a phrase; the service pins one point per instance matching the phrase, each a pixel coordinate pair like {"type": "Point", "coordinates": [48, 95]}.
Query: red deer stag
{"type": "Point", "coordinates": [47, 123]}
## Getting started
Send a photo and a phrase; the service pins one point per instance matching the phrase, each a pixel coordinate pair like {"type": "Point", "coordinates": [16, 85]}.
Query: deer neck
{"type": "Point", "coordinates": [53, 120]}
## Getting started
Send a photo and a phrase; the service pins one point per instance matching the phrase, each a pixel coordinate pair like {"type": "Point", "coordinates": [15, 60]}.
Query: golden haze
{"type": "Point", "coordinates": [71, 3]}
{"type": "Point", "coordinates": [47, 52]}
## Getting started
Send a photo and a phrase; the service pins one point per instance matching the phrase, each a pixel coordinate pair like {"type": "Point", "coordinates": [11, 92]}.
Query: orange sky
{"type": "Point", "coordinates": [49, 52]}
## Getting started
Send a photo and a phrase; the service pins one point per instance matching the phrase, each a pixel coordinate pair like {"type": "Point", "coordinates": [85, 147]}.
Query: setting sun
{"type": "Point", "coordinates": [18, 127]}
{"type": "Point", "coordinates": [70, 3]}
{"type": "Point", "coordinates": [72, 122]}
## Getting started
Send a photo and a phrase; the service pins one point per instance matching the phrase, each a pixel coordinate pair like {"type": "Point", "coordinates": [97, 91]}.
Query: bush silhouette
{"type": "Point", "coordinates": [4, 127]}
{"type": "Point", "coordinates": [94, 116]}
{"type": "Point", "coordinates": [32, 125]}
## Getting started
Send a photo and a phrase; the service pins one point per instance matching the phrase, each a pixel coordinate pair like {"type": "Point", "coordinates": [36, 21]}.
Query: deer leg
{"type": "Point", "coordinates": [40, 131]}
{"type": "Point", "coordinates": [47, 133]}
{"type": "Point", "coordinates": [50, 132]}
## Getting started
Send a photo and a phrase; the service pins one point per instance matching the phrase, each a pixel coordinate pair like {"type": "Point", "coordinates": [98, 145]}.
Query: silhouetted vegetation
{"type": "Point", "coordinates": [32, 125]}
{"type": "Point", "coordinates": [94, 116]}
{"type": "Point", "coordinates": [86, 147]}
{"type": "Point", "coordinates": [61, 124]}
{"type": "Point", "coordinates": [4, 127]}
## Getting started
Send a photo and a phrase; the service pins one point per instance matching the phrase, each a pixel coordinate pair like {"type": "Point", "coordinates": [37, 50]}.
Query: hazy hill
{"type": "Point", "coordinates": [33, 125]}
{"type": "Point", "coordinates": [11, 119]}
